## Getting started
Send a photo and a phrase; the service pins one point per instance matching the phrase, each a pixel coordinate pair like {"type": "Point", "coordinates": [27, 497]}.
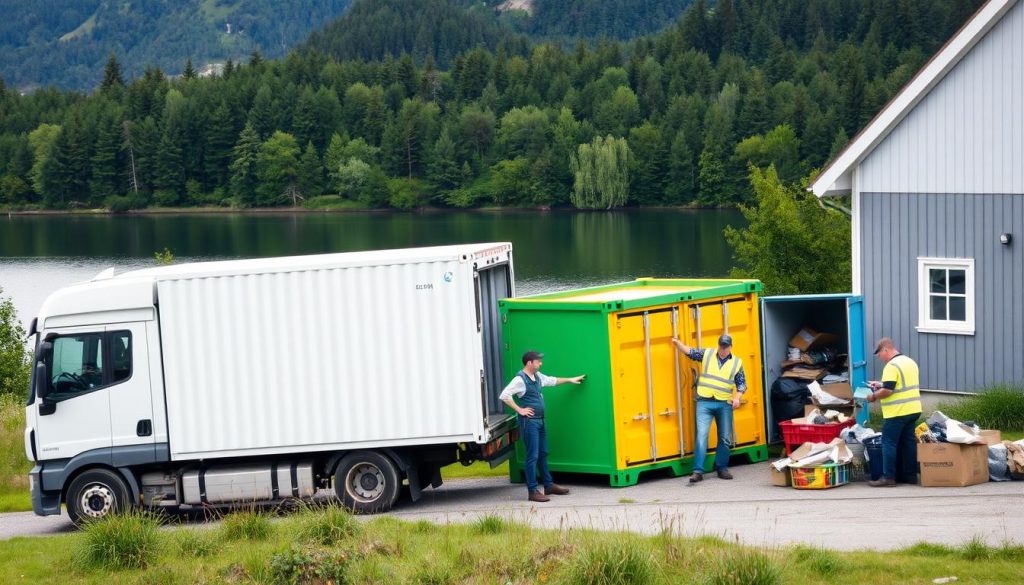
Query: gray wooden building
{"type": "Point", "coordinates": [936, 182]}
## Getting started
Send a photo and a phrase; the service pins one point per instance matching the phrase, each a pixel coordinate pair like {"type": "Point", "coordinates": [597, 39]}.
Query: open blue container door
{"type": "Point", "coordinates": [857, 347]}
{"type": "Point", "coordinates": [783, 316]}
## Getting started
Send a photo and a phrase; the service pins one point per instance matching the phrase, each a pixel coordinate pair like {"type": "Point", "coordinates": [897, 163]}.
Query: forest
{"type": "Point", "coordinates": [674, 118]}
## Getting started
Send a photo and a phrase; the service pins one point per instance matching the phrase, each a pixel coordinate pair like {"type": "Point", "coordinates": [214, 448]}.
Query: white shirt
{"type": "Point", "coordinates": [517, 387]}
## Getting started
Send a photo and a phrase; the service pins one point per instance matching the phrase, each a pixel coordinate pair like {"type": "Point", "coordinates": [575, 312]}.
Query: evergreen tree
{"type": "Point", "coordinates": [262, 115]}
{"type": "Point", "coordinates": [190, 72]}
{"type": "Point", "coordinates": [107, 171]}
{"type": "Point", "coordinates": [217, 148]}
{"type": "Point", "coordinates": [277, 170]}
{"type": "Point", "coordinates": [309, 178]}
{"type": "Point", "coordinates": [647, 165]}
{"type": "Point", "coordinates": [112, 79]}
{"type": "Point", "coordinates": [243, 167]}
{"type": "Point", "coordinates": [444, 171]}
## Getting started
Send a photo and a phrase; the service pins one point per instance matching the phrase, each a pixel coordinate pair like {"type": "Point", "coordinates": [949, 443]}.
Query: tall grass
{"type": "Point", "coordinates": [14, 466]}
{"type": "Point", "coordinates": [327, 525]}
{"type": "Point", "coordinates": [622, 562]}
{"type": "Point", "coordinates": [997, 407]}
{"type": "Point", "coordinates": [741, 566]}
{"type": "Point", "coordinates": [122, 541]}
{"type": "Point", "coordinates": [247, 525]}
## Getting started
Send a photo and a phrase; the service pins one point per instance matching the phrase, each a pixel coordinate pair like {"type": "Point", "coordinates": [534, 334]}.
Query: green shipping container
{"type": "Point", "coordinates": [634, 412]}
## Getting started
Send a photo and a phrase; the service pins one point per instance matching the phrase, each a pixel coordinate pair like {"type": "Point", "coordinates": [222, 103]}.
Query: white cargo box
{"type": "Point", "coordinates": [330, 352]}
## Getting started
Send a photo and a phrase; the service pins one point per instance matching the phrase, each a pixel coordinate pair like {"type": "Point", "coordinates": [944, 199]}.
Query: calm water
{"type": "Point", "coordinates": [553, 250]}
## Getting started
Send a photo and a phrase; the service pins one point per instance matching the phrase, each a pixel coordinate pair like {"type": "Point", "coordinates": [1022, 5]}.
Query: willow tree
{"type": "Point", "coordinates": [601, 171]}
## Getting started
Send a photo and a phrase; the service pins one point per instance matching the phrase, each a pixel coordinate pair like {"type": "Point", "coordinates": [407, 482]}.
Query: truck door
{"type": "Point", "coordinates": [75, 415]}
{"type": "Point", "coordinates": [131, 403]}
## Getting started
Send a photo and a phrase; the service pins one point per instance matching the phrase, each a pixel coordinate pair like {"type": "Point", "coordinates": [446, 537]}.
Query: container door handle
{"type": "Point", "coordinates": [667, 412]}
{"type": "Point", "coordinates": [640, 416]}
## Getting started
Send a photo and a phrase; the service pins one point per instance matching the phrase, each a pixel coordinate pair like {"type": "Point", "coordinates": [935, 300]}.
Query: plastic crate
{"type": "Point", "coordinates": [820, 477]}
{"type": "Point", "coordinates": [794, 435]}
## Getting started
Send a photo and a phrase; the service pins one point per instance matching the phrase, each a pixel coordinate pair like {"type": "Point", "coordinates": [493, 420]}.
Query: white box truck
{"type": "Point", "coordinates": [261, 380]}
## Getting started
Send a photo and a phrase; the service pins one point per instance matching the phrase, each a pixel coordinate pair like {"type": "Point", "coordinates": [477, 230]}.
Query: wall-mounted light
{"type": "Point", "coordinates": [1005, 239]}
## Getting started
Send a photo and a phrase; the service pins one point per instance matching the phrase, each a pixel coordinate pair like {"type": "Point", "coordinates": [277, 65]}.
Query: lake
{"type": "Point", "coordinates": [553, 250]}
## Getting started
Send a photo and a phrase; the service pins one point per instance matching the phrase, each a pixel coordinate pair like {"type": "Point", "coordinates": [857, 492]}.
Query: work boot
{"type": "Point", "coordinates": [882, 482]}
{"type": "Point", "coordinates": [724, 474]}
{"type": "Point", "coordinates": [537, 496]}
{"type": "Point", "coordinates": [556, 490]}
{"type": "Point", "coordinates": [697, 476]}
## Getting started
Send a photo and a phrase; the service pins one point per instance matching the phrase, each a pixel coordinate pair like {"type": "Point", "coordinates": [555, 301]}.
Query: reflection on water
{"type": "Point", "coordinates": [553, 250]}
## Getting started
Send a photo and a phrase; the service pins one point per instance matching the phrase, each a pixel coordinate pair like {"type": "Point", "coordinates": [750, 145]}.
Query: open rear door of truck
{"type": "Point", "coordinates": [494, 281]}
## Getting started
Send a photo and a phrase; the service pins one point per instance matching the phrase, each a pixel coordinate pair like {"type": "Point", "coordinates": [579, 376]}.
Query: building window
{"type": "Point", "coordinates": [945, 295]}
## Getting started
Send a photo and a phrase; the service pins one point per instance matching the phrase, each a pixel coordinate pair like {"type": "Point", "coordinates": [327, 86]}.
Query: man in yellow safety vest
{"type": "Point", "coordinates": [899, 393]}
{"type": "Point", "coordinates": [720, 372]}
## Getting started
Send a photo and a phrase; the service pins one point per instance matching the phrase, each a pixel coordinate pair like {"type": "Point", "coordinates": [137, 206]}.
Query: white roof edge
{"type": "Point", "coordinates": [835, 179]}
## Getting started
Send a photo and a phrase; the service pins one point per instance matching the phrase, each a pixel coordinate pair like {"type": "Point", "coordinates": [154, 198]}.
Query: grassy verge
{"type": "Point", "coordinates": [14, 468]}
{"type": "Point", "coordinates": [999, 407]}
{"type": "Point", "coordinates": [478, 469]}
{"type": "Point", "coordinates": [326, 546]}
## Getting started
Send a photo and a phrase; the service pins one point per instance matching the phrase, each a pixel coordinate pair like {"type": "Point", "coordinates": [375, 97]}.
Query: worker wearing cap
{"type": "Point", "coordinates": [523, 395]}
{"type": "Point", "coordinates": [899, 393]}
{"type": "Point", "coordinates": [721, 372]}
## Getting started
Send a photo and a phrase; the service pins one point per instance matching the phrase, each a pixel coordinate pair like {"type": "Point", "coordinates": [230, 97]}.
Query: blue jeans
{"type": "Point", "coordinates": [721, 412]}
{"type": "Point", "coordinates": [535, 442]}
{"type": "Point", "coordinates": [899, 448]}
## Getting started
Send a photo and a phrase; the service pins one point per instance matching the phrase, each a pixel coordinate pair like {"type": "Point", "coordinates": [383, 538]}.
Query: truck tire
{"type": "Point", "coordinates": [96, 494]}
{"type": "Point", "coordinates": [367, 482]}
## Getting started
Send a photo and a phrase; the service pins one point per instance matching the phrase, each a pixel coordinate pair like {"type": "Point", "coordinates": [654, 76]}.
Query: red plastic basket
{"type": "Point", "coordinates": [794, 435]}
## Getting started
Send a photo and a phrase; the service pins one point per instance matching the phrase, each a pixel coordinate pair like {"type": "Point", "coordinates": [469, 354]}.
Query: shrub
{"type": "Point", "coordinates": [122, 541]}
{"type": "Point", "coordinates": [998, 407]}
{"type": "Point", "coordinates": [328, 525]}
{"type": "Point", "coordinates": [15, 362]}
{"type": "Point", "coordinates": [976, 549]}
{"type": "Point", "coordinates": [249, 525]}
{"type": "Point", "coordinates": [623, 562]}
{"type": "Point", "coordinates": [297, 565]}
{"type": "Point", "coordinates": [743, 567]}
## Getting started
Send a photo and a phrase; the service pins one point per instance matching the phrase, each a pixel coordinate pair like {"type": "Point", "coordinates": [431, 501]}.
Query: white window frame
{"type": "Point", "coordinates": [925, 324]}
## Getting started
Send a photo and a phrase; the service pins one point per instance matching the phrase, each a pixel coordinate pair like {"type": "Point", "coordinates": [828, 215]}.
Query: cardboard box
{"type": "Point", "coordinates": [804, 373]}
{"type": "Point", "coordinates": [952, 464]}
{"type": "Point", "coordinates": [808, 339]}
{"type": "Point", "coordinates": [780, 478]}
{"type": "Point", "coordinates": [991, 437]}
{"type": "Point", "coordinates": [850, 411]}
{"type": "Point", "coordinates": [840, 390]}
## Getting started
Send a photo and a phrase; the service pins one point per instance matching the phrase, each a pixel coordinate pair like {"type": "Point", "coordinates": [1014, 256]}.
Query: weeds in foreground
{"type": "Point", "coordinates": [743, 567]}
{"type": "Point", "coordinates": [822, 562]}
{"type": "Point", "coordinates": [248, 525]}
{"type": "Point", "coordinates": [491, 525]}
{"type": "Point", "coordinates": [623, 562]}
{"type": "Point", "coordinates": [195, 543]}
{"type": "Point", "coordinates": [299, 565]}
{"type": "Point", "coordinates": [327, 525]}
{"type": "Point", "coordinates": [122, 541]}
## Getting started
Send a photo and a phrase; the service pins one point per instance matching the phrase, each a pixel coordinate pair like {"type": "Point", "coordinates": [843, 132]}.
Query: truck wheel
{"type": "Point", "coordinates": [96, 494]}
{"type": "Point", "coordinates": [367, 482]}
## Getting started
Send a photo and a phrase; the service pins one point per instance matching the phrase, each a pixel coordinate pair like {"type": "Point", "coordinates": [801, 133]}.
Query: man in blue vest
{"type": "Point", "coordinates": [523, 395]}
{"type": "Point", "coordinates": [721, 371]}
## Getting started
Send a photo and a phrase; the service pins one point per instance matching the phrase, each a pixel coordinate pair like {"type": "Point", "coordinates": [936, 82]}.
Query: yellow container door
{"type": "Point", "coordinates": [739, 317]}
{"type": "Point", "coordinates": [648, 387]}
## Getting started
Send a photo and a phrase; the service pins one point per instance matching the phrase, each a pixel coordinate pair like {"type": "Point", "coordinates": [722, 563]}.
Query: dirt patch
{"type": "Point", "coordinates": [526, 5]}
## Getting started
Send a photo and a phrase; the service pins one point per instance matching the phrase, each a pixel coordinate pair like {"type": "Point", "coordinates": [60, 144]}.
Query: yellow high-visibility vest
{"type": "Point", "coordinates": [906, 398]}
{"type": "Point", "coordinates": [717, 381]}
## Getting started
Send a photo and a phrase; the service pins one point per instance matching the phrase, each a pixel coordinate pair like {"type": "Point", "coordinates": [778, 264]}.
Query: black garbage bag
{"type": "Point", "coordinates": [790, 388]}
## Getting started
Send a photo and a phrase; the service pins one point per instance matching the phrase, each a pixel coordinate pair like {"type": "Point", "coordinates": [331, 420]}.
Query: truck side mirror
{"type": "Point", "coordinates": [42, 384]}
